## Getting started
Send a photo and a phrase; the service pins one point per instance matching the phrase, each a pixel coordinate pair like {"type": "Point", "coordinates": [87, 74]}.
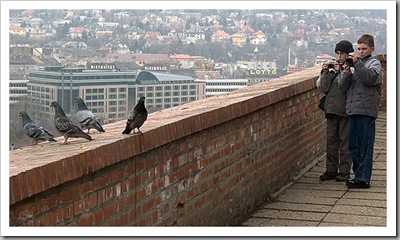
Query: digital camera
{"type": "Point", "coordinates": [332, 63]}
{"type": "Point", "coordinates": [349, 62]}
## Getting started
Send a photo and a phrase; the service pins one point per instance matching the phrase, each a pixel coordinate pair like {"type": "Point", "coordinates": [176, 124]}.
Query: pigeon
{"type": "Point", "coordinates": [85, 117]}
{"type": "Point", "coordinates": [65, 126]}
{"type": "Point", "coordinates": [34, 130]}
{"type": "Point", "coordinates": [137, 116]}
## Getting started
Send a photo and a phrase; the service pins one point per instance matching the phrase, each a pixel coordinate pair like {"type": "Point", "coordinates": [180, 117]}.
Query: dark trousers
{"type": "Point", "coordinates": [361, 146]}
{"type": "Point", "coordinates": [338, 158]}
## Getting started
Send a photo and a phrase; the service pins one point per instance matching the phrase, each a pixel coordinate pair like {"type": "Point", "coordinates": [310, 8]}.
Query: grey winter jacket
{"type": "Point", "coordinates": [335, 102]}
{"type": "Point", "coordinates": [363, 87]}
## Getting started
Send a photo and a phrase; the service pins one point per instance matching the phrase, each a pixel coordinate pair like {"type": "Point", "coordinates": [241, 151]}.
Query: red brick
{"type": "Point", "coordinates": [116, 175]}
{"type": "Point", "coordinates": [78, 207]}
{"type": "Point", "coordinates": [85, 188]}
{"type": "Point", "coordinates": [98, 216]}
{"type": "Point", "coordinates": [109, 193]}
{"type": "Point", "coordinates": [49, 202]}
{"type": "Point", "coordinates": [122, 220]}
{"type": "Point", "coordinates": [86, 221]}
{"type": "Point", "coordinates": [110, 210]}
{"type": "Point", "coordinates": [93, 200]}
{"type": "Point", "coordinates": [101, 181]}
{"type": "Point", "coordinates": [59, 215]}
{"type": "Point", "coordinates": [46, 177]}
{"type": "Point", "coordinates": [69, 211]}
{"type": "Point", "coordinates": [101, 196]}
{"type": "Point", "coordinates": [23, 184]}
{"type": "Point", "coordinates": [15, 194]}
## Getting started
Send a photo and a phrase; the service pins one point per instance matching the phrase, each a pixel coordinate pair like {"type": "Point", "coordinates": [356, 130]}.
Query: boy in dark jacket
{"type": "Point", "coordinates": [338, 160]}
{"type": "Point", "coordinates": [363, 84]}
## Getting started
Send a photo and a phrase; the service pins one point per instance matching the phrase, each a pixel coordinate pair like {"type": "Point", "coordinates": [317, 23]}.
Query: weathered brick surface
{"type": "Point", "coordinates": [209, 162]}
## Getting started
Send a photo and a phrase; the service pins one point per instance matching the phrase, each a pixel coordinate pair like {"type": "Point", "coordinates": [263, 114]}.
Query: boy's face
{"type": "Point", "coordinates": [341, 56]}
{"type": "Point", "coordinates": [364, 50]}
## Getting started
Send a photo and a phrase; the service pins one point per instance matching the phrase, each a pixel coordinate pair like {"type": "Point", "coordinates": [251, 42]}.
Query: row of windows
{"type": "Point", "coordinates": [220, 90]}
{"type": "Point", "coordinates": [167, 94]}
{"type": "Point", "coordinates": [18, 91]}
{"type": "Point", "coordinates": [166, 88]}
{"type": "Point", "coordinates": [40, 89]}
{"type": "Point", "coordinates": [227, 84]}
{"type": "Point", "coordinates": [101, 97]}
{"type": "Point", "coordinates": [110, 103]}
{"type": "Point", "coordinates": [101, 90]}
{"type": "Point", "coordinates": [17, 84]}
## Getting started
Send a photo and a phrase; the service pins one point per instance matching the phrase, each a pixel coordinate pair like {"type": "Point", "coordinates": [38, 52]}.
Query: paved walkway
{"type": "Point", "coordinates": [310, 202]}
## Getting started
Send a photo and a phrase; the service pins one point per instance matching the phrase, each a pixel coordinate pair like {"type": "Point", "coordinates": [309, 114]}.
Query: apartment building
{"type": "Point", "coordinates": [164, 90]}
{"type": "Point", "coordinates": [220, 86]}
{"type": "Point", "coordinates": [108, 94]}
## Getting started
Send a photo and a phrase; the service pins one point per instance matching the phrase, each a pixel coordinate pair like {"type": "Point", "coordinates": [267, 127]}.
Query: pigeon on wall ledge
{"type": "Point", "coordinates": [65, 126]}
{"type": "Point", "coordinates": [34, 130]}
{"type": "Point", "coordinates": [85, 117]}
{"type": "Point", "coordinates": [137, 116]}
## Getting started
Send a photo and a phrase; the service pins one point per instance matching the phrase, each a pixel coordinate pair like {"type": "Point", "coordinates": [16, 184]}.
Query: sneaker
{"type": "Point", "coordinates": [342, 177]}
{"type": "Point", "coordinates": [328, 176]}
{"type": "Point", "coordinates": [357, 184]}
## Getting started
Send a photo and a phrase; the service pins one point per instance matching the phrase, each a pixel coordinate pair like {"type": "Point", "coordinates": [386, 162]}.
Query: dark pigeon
{"type": "Point", "coordinates": [34, 130]}
{"type": "Point", "coordinates": [65, 126]}
{"type": "Point", "coordinates": [137, 116]}
{"type": "Point", "coordinates": [85, 117]}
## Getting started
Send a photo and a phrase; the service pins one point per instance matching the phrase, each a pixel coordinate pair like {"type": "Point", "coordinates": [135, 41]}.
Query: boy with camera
{"type": "Point", "coordinates": [338, 160]}
{"type": "Point", "coordinates": [363, 84]}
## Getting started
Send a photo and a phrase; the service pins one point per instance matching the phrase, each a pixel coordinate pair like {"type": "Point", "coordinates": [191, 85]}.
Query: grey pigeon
{"type": "Point", "coordinates": [34, 130]}
{"type": "Point", "coordinates": [65, 126]}
{"type": "Point", "coordinates": [85, 117]}
{"type": "Point", "coordinates": [136, 117]}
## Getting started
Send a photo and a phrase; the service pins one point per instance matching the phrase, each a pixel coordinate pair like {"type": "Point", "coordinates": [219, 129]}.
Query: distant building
{"type": "Point", "coordinates": [109, 94]}
{"type": "Point", "coordinates": [18, 88]}
{"type": "Point", "coordinates": [163, 90]}
{"type": "Point", "coordinates": [220, 86]}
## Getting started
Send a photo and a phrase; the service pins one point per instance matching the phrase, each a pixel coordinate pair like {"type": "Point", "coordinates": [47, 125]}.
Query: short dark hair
{"type": "Point", "coordinates": [367, 39]}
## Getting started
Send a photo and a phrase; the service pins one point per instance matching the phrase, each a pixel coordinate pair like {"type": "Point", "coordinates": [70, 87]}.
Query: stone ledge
{"type": "Point", "coordinates": [34, 169]}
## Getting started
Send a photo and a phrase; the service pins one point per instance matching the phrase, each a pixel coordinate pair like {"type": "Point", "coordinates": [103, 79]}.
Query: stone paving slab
{"type": "Point", "coordinates": [298, 193]}
{"type": "Point", "coordinates": [359, 210]}
{"type": "Point", "coordinates": [290, 215]}
{"type": "Point", "coordinates": [309, 200]}
{"type": "Point", "coordinates": [298, 207]}
{"type": "Point", "coordinates": [288, 223]}
{"type": "Point", "coordinates": [354, 220]}
{"type": "Point", "coordinates": [364, 195]}
{"type": "Point", "coordinates": [325, 187]}
{"type": "Point", "coordinates": [362, 202]}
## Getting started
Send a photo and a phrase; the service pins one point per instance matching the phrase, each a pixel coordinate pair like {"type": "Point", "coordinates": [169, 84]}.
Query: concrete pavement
{"type": "Point", "coordinates": [308, 201]}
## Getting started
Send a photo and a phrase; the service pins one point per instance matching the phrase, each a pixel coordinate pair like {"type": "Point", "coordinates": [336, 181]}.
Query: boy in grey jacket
{"type": "Point", "coordinates": [363, 84]}
{"type": "Point", "coordinates": [338, 160]}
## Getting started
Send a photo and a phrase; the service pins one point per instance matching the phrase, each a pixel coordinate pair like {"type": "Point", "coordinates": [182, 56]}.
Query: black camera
{"type": "Point", "coordinates": [331, 64]}
{"type": "Point", "coordinates": [349, 62]}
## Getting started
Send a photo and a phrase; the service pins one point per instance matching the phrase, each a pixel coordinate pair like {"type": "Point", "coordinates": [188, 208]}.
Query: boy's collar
{"type": "Point", "coordinates": [367, 56]}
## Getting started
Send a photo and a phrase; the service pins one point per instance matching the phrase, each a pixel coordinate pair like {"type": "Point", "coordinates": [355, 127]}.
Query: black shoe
{"type": "Point", "coordinates": [342, 177]}
{"type": "Point", "coordinates": [357, 184]}
{"type": "Point", "coordinates": [328, 176]}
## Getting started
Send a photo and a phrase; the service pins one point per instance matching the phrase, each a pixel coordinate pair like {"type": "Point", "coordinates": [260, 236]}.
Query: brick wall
{"type": "Point", "coordinates": [206, 163]}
